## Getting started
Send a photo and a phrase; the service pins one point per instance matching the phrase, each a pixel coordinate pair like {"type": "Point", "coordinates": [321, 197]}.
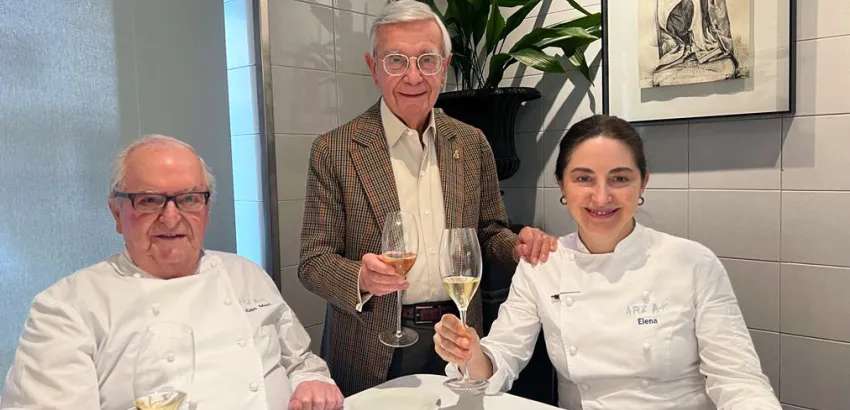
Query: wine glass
{"type": "Point", "coordinates": [399, 243]}
{"type": "Point", "coordinates": [461, 268]}
{"type": "Point", "coordinates": [165, 367]}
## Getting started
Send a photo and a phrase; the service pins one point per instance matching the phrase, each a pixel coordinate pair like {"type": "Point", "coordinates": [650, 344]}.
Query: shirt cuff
{"type": "Point", "coordinates": [362, 297]}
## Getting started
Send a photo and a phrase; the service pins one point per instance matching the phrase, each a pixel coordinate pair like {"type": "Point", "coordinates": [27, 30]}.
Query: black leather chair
{"type": "Point", "coordinates": [537, 381]}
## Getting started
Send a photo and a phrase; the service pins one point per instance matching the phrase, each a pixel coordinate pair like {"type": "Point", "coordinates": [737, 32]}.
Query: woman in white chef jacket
{"type": "Point", "coordinates": [633, 318]}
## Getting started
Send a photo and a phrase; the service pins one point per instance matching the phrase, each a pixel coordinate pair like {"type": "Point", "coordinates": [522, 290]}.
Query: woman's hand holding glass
{"type": "Point", "coordinates": [459, 344]}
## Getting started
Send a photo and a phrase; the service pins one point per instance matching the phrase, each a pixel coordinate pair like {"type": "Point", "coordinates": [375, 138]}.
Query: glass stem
{"type": "Point", "coordinates": [465, 369]}
{"type": "Point", "coordinates": [398, 318]}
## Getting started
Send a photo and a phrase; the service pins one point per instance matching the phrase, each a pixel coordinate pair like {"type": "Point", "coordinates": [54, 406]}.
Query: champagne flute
{"type": "Point", "coordinates": [399, 243]}
{"type": "Point", "coordinates": [165, 367]}
{"type": "Point", "coordinates": [461, 268]}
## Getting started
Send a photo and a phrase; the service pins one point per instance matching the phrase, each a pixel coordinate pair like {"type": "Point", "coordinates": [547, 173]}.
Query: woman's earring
{"type": "Point", "coordinates": [641, 200]}
{"type": "Point", "coordinates": [563, 200]}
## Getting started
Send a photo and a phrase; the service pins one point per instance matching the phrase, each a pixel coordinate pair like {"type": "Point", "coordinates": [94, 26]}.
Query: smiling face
{"type": "Point", "coordinates": [164, 244]}
{"type": "Point", "coordinates": [602, 185]}
{"type": "Point", "coordinates": [412, 95]}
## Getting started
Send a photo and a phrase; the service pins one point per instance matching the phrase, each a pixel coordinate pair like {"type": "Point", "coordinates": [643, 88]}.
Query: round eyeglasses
{"type": "Point", "coordinates": [428, 64]}
{"type": "Point", "coordinates": [150, 202]}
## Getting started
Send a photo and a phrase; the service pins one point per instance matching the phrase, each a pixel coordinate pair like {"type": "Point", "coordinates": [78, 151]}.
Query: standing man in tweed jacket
{"type": "Point", "coordinates": [399, 155]}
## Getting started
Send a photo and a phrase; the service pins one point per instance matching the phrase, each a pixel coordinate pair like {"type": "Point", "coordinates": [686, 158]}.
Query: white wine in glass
{"type": "Point", "coordinates": [399, 244]}
{"type": "Point", "coordinates": [461, 268]}
{"type": "Point", "coordinates": [165, 367]}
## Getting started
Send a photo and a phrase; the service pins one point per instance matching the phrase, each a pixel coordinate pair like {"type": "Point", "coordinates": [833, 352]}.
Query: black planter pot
{"type": "Point", "coordinates": [493, 111]}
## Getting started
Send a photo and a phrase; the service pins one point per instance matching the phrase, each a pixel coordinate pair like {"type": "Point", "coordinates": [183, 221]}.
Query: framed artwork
{"type": "Point", "coordinates": [678, 59]}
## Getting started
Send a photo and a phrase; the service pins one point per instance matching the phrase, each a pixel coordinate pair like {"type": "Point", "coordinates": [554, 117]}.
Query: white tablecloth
{"type": "Point", "coordinates": [449, 400]}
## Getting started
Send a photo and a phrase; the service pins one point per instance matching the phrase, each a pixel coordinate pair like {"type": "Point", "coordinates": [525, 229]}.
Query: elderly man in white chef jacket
{"type": "Point", "coordinates": [83, 334]}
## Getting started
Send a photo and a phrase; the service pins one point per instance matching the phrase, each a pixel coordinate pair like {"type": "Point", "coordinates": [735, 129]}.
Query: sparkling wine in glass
{"type": "Point", "coordinates": [461, 268]}
{"type": "Point", "coordinates": [399, 244]}
{"type": "Point", "coordinates": [165, 367]}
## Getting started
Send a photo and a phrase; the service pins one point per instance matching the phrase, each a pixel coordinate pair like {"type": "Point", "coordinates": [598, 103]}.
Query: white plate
{"type": "Point", "coordinates": [397, 398]}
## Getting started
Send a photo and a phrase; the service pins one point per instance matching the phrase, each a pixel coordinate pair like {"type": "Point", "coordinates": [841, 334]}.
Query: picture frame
{"type": "Point", "coordinates": [675, 60]}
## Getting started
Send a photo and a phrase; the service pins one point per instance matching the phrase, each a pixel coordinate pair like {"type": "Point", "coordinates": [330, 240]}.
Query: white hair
{"type": "Point", "coordinates": [404, 11]}
{"type": "Point", "coordinates": [119, 164]}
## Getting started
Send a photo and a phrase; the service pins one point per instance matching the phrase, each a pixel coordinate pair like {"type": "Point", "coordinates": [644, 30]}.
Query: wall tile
{"type": "Point", "coordinates": [816, 227]}
{"type": "Point", "coordinates": [290, 218]}
{"type": "Point", "coordinates": [821, 71]}
{"type": "Point", "coordinates": [251, 231]}
{"type": "Point", "coordinates": [756, 286]}
{"type": "Point", "coordinates": [711, 223]}
{"type": "Point", "coordinates": [524, 206]}
{"type": "Point", "coordinates": [356, 94]}
{"type": "Point", "coordinates": [813, 299]}
{"type": "Point", "coordinates": [814, 154]}
{"type": "Point", "coordinates": [814, 373]}
{"type": "Point", "coordinates": [735, 154]}
{"type": "Point", "coordinates": [292, 162]}
{"type": "Point", "coordinates": [305, 101]}
{"type": "Point", "coordinates": [242, 101]}
{"type": "Point", "coordinates": [822, 18]}
{"type": "Point", "coordinates": [239, 33]}
{"type": "Point", "coordinates": [666, 148]}
{"type": "Point", "coordinates": [301, 34]}
{"type": "Point", "coordinates": [352, 41]}
{"type": "Point", "coordinates": [665, 210]}
{"type": "Point", "coordinates": [370, 7]}
{"type": "Point", "coordinates": [248, 174]}
{"type": "Point", "coordinates": [309, 307]}
{"type": "Point", "coordinates": [767, 346]}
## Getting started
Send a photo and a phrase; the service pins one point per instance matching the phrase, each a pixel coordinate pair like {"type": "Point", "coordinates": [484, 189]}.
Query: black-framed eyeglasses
{"type": "Point", "coordinates": [429, 63]}
{"type": "Point", "coordinates": [151, 202]}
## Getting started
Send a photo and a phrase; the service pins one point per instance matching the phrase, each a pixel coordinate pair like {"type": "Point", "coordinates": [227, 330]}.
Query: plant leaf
{"type": "Point", "coordinates": [542, 34]}
{"type": "Point", "coordinates": [586, 22]}
{"type": "Point", "coordinates": [494, 28]}
{"type": "Point", "coordinates": [539, 60]}
{"type": "Point", "coordinates": [578, 7]}
{"type": "Point", "coordinates": [514, 20]}
{"type": "Point", "coordinates": [478, 16]}
{"type": "Point", "coordinates": [512, 3]}
{"type": "Point", "coordinates": [498, 64]}
{"type": "Point", "coordinates": [579, 60]}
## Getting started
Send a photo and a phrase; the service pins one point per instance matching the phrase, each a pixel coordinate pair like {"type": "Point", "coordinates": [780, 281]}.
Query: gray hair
{"type": "Point", "coordinates": [403, 11]}
{"type": "Point", "coordinates": [119, 164]}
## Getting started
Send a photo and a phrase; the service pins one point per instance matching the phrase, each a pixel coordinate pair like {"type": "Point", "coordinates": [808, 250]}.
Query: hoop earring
{"type": "Point", "coordinates": [641, 200]}
{"type": "Point", "coordinates": [563, 200]}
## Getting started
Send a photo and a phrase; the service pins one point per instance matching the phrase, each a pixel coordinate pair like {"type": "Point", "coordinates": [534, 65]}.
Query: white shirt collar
{"type": "Point", "coordinates": [124, 265]}
{"type": "Point", "coordinates": [394, 128]}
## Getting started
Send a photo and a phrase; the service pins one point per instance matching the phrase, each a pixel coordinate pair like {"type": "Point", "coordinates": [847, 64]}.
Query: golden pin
{"type": "Point", "coordinates": [456, 155]}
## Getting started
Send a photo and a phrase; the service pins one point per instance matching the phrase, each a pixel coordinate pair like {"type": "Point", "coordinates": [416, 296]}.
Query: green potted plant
{"type": "Point", "coordinates": [478, 31]}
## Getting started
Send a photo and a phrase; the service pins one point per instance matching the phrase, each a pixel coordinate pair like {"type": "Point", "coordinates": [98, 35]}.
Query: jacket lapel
{"type": "Point", "coordinates": [450, 154]}
{"type": "Point", "coordinates": [371, 158]}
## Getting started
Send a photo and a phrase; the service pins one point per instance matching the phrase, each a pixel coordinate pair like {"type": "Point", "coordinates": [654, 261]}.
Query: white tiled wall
{"type": "Point", "coordinates": [769, 195]}
{"type": "Point", "coordinates": [319, 81]}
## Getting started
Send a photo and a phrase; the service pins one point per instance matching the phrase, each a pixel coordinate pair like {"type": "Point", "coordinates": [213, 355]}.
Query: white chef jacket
{"type": "Point", "coordinates": [81, 339]}
{"type": "Point", "coordinates": [653, 325]}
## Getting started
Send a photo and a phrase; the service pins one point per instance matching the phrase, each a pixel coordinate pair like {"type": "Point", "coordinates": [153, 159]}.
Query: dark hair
{"type": "Point", "coordinates": [600, 125]}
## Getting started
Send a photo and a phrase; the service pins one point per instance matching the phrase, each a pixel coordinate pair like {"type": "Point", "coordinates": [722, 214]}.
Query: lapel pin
{"type": "Point", "coordinates": [456, 155]}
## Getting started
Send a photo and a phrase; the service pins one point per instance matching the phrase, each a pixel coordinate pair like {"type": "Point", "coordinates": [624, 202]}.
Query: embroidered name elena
{"type": "Point", "coordinates": [647, 321]}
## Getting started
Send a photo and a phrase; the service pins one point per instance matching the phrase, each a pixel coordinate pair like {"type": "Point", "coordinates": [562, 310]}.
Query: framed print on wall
{"type": "Point", "coordinates": [678, 59]}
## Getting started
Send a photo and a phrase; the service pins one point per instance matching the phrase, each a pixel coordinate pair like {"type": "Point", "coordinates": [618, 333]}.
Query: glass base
{"type": "Point", "coordinates": [466, 386]}
{"type": "Point", "coordinates": [407, 337]}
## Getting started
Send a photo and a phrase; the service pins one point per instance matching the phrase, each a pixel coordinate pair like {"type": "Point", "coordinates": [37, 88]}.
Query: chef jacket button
{"type": "Point", "coordinates": [253, 387]}
{"type": "Point", "coordinates": [573, 350]}
{"type": "Point", "coordinates": [646, 346]}
{"type": "Point", "coordinates": [572, 257]}
{"type": "Point", "coordinates": [240, 343]}
{"type": "Point", "coordinates": [569, 301]}
{"type": "Point", "coordinates": [136, 275]}
{"type": "Point", "coordinates": [584, 387]}
{"type": "Point", "coordinates": [155, 309]}
{"type": "Point", "coordinates": [644, 383]}
{"type": "Point", "coordinates": [227, 302]}
{"type": "Point", "coordinates": [170, 358]}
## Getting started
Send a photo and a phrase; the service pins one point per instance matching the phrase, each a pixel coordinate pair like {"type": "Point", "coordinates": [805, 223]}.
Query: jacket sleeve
{"type": "Point", "coordinates": [53, 367]}
{"type": "Point", "coordinates": [728, 360]}
{"type": "Point", "coordinates": [323, 269]}
{"type": "Point", "coordinates": [497, 239]}
{"type": "Point", "coordinates": [513, 335]}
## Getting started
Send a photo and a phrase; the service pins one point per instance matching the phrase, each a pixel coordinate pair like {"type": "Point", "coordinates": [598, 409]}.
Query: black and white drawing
{"type": "Point", "coordinates": [694, 41]}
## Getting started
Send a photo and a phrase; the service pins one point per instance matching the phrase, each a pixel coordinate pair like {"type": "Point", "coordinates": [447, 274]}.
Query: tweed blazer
{"type": "Point", "coordinates": [350, 190]}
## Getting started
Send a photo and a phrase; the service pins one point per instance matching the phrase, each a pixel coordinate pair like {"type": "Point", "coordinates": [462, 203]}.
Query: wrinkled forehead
{"type": "Point", "coordinates": [411, 38]}
{"type": "Point", "coordinates": [163, 168]}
